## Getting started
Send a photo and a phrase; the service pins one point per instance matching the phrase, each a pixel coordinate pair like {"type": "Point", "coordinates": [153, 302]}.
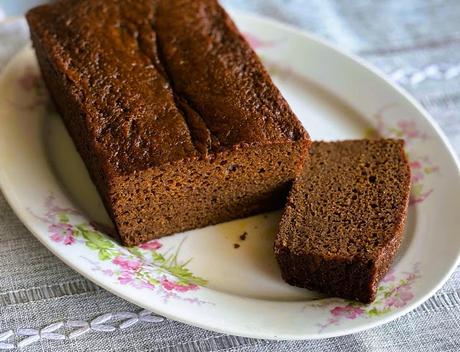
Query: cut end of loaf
{"type": "Point", "coordinates": [194, 194]}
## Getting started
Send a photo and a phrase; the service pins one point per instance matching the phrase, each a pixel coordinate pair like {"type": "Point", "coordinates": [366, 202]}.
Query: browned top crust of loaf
{"type": "Point", "coordinates": [161, 81]}
{"type": "Point", "coordinates": [349, 202]}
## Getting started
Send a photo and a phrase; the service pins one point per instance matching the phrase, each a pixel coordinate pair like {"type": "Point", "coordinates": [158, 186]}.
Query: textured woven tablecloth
{"type": "Point", "coordinates": [416, 42]}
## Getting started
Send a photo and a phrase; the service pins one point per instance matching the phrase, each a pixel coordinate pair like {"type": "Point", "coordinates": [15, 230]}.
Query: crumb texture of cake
{"type": "Point", "coordinates": [344, 218]}
{"type": "Point", "coordinates": [175, 117]}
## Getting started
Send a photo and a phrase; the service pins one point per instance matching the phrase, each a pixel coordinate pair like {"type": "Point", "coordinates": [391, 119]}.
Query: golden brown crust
{"type": "Point", "coordinates": [149, 92]}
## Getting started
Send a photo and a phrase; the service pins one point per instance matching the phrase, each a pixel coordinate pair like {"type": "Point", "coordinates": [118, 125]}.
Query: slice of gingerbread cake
{"type": "Point", "coordinates": [344, 218]}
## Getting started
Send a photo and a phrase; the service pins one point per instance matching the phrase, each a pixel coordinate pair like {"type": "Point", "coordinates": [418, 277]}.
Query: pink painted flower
{"type": "Point", "coordinates": [69, 240]}
{"type": "Point", "coordinates": [125, 278]}
{"type": "Point", "coordinates": [144, 284]}
{"type": "Point", "coordinates": [417, 177]}
{"type": "Point", "coordinates": [128, 278]}
{"type": "Point", "coordinates": [61, 228]}
{"type": "Point", "coordinates": [108, 272]}
{"type": "Point", "coordinates": [408, 128]}
{"type": "Point", "coordinates": [348, 312]}
{"type": "Point", "coordinates": [400, 297]}
{"type": "Point", "coordinates": [62, 233]}
{"type": "Point", "coordinates": [419, 198]}
{"type": "Point", "coordinates": [126, 264]}
{"type": "Point", "coordinates": [28, 80]}
{"type": "Point", "coordinates": [173, 286]}
{"type": "Point", "coordinates": [152, 245]}
{"type": "Point", "coordinates": [389, 277]}
{"type": "Point", "coordinates": [415, 164]}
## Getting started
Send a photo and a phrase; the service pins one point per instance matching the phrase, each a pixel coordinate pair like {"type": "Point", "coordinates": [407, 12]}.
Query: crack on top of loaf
{"type": "Point", "coordinates": [200, 134]}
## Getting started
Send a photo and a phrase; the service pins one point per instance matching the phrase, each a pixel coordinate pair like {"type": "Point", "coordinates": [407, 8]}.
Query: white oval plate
{"type": "Point", "coordinates": [224, 277]}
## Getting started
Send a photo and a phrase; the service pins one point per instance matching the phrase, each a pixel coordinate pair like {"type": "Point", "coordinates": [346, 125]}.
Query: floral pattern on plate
{"type": "Point", "coordinates": [144, 266]}
{"type": "Point", "coordinates": [393, 292]}
{"type": "Point", "coordinates": [422, 166]}
{"type": "Point", "coordinates": [35, 94]}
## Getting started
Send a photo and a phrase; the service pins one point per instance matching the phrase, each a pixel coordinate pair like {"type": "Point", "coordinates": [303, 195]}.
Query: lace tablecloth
{"type": "Point", "coordinates": [45, 305]}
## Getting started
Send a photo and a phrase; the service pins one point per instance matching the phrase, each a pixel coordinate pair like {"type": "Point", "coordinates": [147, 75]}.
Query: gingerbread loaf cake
{"type": "Point", "coordinates": [174, 115]}
{"type": "Point", "coordinates": [344, 218]}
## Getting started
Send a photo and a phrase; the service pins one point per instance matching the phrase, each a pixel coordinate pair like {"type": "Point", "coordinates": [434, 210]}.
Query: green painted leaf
{"type": "Point", "coordinates": [179, 271]}
{"type": "Point", "coordinates": [371, 133]}
{"type": "Point", "coordinates": [136, 251]}
{"type": "Point", "coordinates": [388, 293]}
{"type": "Point", "coordinates": [63, 217]}
{"type": "Point", "coordinates": [185, 276]}
{"type": "Point", "coordinates": [417, 189]}
{"type": "Point", "coordinates": [373, 312]}
{"type": "Point", "coordinates": [104, 255]}
{"type": "Point", "coordinates": [197, 281]}
{"type": "Point", "coordinates": [97, 239]}
{"type": "Point", "coordinates": [158, 257]}
{"type": "Point", "coordinates": [151, 279]}
{"type": "Point", "coordinates": [91, 245]}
